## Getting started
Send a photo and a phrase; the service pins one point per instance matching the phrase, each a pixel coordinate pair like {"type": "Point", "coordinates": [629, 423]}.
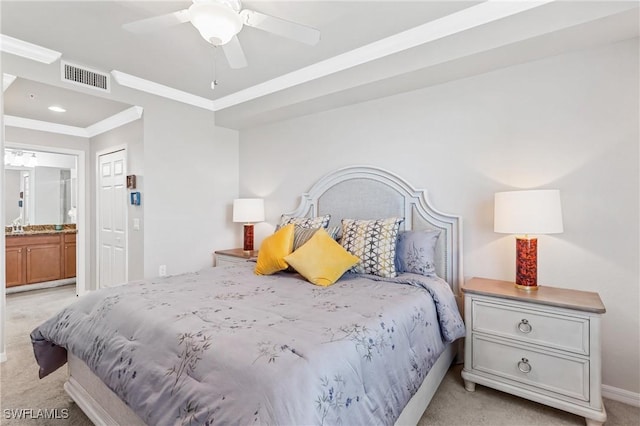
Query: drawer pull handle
{"type": "Point", "coordinates": [524, 326]}
{"type": "Point", "coordinates": [524, 365]}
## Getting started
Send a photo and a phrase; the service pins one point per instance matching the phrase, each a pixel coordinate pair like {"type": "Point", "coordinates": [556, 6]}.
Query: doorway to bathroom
{"type": "Point", "coordinates": [44, 213]}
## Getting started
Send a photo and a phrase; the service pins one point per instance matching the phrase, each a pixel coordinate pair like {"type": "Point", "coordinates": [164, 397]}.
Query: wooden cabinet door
{"type": "Point", "coordinates": [69, 260]}
{"type": "Point", "coordinates": [44, 263]}
{"type": "Point", "coordinates": [15, 266]}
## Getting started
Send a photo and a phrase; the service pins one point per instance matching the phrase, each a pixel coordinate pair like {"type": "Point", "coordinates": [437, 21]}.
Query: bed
{"type": "Point", "coordinates": [241, 348]}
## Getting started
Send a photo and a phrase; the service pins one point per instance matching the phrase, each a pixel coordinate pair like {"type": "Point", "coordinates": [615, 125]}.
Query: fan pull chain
{"type": "Point", "coordinates": [214, 83]}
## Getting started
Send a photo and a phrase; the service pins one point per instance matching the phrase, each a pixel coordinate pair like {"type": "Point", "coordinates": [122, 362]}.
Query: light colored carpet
{"type": "Point", "coordinates": [20, 386]}
{"type": "Point", "coordinates": [451, 406]}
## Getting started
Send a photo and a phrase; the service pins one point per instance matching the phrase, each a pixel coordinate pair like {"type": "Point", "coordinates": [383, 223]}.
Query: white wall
{"type": "Point", "coordinates": [568, 122]}
{"type": "Point", "coordinates": [191, 178]}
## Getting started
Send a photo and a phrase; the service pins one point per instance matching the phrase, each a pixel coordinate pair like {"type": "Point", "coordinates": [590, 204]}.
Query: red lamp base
{"type": "Point", "coordinates": [248, 237]}
{"type": "Point", "coordinates": [527, 263]}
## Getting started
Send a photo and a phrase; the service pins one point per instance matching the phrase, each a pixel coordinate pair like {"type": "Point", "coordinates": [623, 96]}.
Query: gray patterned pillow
{"type": "Point", "coordinates": [302, 235]}
{"type": "Point", "coordinates": [416, 251]}
{"type": "Point", "coordinates": [374, 242]}
{"type": "Point", "coordinates": [306, 222]}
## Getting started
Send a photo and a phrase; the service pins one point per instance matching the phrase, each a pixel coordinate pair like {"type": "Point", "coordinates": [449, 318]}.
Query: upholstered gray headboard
{"type": "Point", "coordinates": [366, 192]}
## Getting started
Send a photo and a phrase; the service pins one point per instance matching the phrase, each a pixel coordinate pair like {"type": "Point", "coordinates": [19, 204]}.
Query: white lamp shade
{"type": "Point", "coordinates": [248, 210]}
{"type": "Point", "coordinates": [528, 212]}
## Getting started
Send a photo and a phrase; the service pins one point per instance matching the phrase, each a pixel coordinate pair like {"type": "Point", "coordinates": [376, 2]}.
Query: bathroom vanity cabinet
{"type": "Point", "coordinates": [40, 257]}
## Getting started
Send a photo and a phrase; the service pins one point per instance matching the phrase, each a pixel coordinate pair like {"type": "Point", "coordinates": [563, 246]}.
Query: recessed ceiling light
{"type": "Point", "coordinates": [55, 108]}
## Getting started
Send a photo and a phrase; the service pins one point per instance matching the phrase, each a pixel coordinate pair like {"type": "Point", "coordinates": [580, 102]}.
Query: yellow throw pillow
{"type": "Point", "coordinates": [273, 250]}
{"type": "Point", "coordinates": [321, 260]}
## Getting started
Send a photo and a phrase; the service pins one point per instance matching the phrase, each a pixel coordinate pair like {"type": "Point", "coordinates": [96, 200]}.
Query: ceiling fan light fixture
{"type": "Point", "coordinates": [216, 22]}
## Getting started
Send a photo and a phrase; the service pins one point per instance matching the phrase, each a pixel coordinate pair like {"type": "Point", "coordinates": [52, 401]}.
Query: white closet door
{"type": "Point", "coordinates": [112, 217]}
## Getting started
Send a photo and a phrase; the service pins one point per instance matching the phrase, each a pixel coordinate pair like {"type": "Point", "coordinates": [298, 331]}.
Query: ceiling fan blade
{"type": "Point", "coordinates": [158, 22]}
{"type": "Point", "coordinates": [234, 53]}
{"type": "Point", "coordinates": [299, 32]}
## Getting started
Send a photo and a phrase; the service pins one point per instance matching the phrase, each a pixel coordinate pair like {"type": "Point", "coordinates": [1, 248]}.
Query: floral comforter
{"type": "Point", "coordinates": [224, 346]}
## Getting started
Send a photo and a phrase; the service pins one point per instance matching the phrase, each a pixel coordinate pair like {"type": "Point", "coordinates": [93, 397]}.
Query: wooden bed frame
{"type": "Point", "coordinates": [360, 192]}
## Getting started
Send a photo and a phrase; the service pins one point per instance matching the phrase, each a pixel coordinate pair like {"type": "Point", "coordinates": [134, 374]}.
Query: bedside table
{"type": "Point", "coordinates": [543, 345]}
{"type": "Point", "coordinates": [233, 256]}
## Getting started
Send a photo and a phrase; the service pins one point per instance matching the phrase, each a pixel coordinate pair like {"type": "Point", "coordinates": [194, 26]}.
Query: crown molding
{"type": "Point", "coordinates": [110, 123]}
{"type": "Point", "coordinates": [457, 22]}
{"type": "Point", "coordinates": [120, 119]}
{"type": "Point", "coordinates": [7, 79]}
{"type": "Point", "coordinates": [158, 89]}
{"type": "Point", "coordinates": [462, 20]}
{"type": "Point", "coordinates": [475, 16]}
{"type": "Point", "coordinates": [28, 50]}
{"type": "Point", "coordinates": [44, 126]}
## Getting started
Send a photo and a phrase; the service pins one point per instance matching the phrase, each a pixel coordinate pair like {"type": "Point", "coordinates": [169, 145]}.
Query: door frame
{"type": "Point", "coordinates": [110, 150]}
{"type": "Point", "coordinates": [82, 274]}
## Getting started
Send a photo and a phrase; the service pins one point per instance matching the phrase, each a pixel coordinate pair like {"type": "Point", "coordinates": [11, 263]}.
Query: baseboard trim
{"type": "Point", "coordinates": [621, 395]}
{"type": "Point", "coordinates": [40, 286]}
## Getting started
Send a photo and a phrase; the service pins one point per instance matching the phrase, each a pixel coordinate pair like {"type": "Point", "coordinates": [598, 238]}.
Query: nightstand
{"type": "Point", "coordinates": [543, 345]}
{"type": "Point", "coordinates": [233, 256]}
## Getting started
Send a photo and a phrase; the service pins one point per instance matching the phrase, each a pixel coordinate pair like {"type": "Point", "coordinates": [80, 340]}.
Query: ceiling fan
{"type": "Point", "coordinates": [219, 22]}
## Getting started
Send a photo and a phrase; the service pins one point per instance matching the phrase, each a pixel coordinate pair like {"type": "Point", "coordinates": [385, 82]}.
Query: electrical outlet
{"type": "Point", "coordinates": [162, 270]}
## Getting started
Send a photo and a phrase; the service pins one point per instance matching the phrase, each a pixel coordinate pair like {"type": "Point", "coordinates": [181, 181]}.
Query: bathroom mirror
{"type": "Point", "coordinates": [40, 187]}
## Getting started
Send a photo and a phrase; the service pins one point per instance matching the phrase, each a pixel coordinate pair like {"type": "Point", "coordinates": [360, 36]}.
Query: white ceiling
{"type": "Point", "coordinates": [90, 33]}
{"type": "Point", "coordinates": [30, 99]}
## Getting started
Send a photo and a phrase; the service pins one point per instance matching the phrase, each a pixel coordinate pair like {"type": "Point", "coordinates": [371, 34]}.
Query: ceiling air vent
{"type": "Point", "coordinates": [85, 77]}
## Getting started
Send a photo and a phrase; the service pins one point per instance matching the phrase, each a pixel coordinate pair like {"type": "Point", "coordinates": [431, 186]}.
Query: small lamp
{"type": "Point", "coordinates": [527, 212]}
{"type": "Point", "coordinates": [248, 210]}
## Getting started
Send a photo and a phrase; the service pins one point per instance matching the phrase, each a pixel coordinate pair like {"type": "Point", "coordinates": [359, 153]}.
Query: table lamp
{"type": "Point", "coordinates": [524, 213]}
{"type": "Point", "coordinates": [248, 210]}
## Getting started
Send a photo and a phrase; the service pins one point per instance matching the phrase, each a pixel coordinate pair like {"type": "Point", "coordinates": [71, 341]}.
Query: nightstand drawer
{"type": "Point", "coordinates": [548, 371]}
{"type": "Point", "coordinates": [569, 333]}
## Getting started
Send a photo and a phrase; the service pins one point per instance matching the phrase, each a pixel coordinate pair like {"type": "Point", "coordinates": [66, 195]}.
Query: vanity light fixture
{"type": "Point", "coordinates": [524, 213]}
{"type": "Point", "coordinates": [9, 157]}
{"type": "Point", "coordinates": [30, 160]}
{"type": "Point", "coordinates": [56, 108]}
{"type": "Point", "coordinates": [20, 158]}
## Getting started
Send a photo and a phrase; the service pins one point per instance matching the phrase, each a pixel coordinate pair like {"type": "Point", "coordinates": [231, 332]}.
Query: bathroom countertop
{"type": "Point", "coordinates": [41, 230]}
{"type": "Point", "coordinates": [53, 231]}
